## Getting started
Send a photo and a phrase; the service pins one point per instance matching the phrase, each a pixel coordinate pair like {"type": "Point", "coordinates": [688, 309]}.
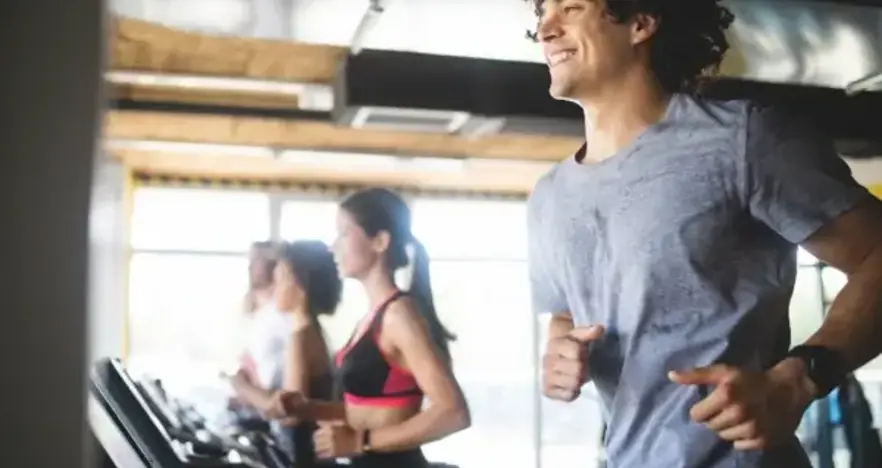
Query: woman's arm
{"type": "Point", "coordinates": [448, 412]}
{"type": "Point", "coordinates": [295, 377]}
{"type": "Point", "coordinates": [296, 382]}
{"type": "Point", "coordinates": [324, 411]}
{"type": "Point", "coordinates": [252, 394]}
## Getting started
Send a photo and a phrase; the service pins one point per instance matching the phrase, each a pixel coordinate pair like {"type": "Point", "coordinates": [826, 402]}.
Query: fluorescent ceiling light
{"type": "Point", "coordinates": [366, 161]}
{"type": "Point", "coordinates": [183, 147]}
{"type": "Point", "coordinates": [205, 82]}
{"type": "Point", "coordinates": [340, 160]}
{"type": "Point", "coordinates": [423, 163]}
{"type": "Point", "coordinates": [334, 160]}
{"type": "Point", "coordinates": [492, 164]}
{"type": "Point", "coordinates": [310, 96]}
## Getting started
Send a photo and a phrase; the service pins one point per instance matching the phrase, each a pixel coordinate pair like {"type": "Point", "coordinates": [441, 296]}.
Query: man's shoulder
{"type": "Point", "coordinates": [766, 120]}
{"type": "Point", "coordinates": [713, 112]}
{"type": "Point", "coordinates": [744, 113]}
{"type": "Point", "coordinates": [747, 125]}
{"type": "Point", "coordinates": [544, 186]}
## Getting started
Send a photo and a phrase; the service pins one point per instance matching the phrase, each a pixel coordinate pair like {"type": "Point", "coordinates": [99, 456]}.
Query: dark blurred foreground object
{"type": "Point", "coordinates": [857, 420]}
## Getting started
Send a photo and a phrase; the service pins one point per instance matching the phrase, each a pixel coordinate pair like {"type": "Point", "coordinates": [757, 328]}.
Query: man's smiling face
{"type": "Point", "coordinates": [584, 47]}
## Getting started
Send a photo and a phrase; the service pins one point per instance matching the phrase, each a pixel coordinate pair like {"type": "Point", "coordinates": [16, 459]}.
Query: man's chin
{"type": "Point", "coordinates": [560, 92]}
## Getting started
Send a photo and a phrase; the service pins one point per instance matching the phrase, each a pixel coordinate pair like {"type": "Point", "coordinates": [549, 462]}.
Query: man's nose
{"type": "Point", "coordinates": [549, 27]}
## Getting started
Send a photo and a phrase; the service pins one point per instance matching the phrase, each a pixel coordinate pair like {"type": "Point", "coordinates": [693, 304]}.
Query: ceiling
{"type": "Point", "coordinates": [798, 43]}
{"type": "Point", "coordinates": [485, 28]}
{"type": "Point", "coordinates": [823, 43]}
{"type": "Point", "coordinates": [147, 136]}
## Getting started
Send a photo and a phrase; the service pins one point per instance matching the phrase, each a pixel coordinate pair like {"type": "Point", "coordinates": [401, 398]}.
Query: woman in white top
{"type": "Point", "coordinates": [263, 358]}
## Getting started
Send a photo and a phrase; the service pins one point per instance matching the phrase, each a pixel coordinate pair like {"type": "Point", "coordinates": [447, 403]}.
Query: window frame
{"type": "Point", "coordinates": [131, 248]}
{"type": "Point", "coordinates": [277, 201]}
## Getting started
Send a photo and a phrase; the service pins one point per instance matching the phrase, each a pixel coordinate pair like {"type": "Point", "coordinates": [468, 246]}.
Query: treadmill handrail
{"type": "Point", "coordinates": [127, 427]}
{"type": "Point", "coordinates": [149, 453]}
{"type": "Point", "coordinates": [130, 384]}
{"type": "Point", "coordinates": [115, 442]}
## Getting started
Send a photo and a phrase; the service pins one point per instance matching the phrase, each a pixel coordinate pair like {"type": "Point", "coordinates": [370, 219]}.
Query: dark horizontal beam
{"type": "Point", "coordinates": [860, 3]}
{"type": "Point", "coordinates": [853, 121]}
{"type": "Point", "coordinates": [211, 109]}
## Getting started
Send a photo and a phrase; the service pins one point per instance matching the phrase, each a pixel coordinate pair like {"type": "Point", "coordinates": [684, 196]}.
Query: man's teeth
{"type": "Point", "coordinates": [559, 57]}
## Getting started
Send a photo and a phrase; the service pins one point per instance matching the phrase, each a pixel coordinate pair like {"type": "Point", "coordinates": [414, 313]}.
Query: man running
{"type": "Point", "coordinates": [666, 246]}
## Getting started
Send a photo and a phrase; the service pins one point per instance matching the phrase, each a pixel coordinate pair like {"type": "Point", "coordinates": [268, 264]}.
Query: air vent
{"type": "Point", "coordinates": [441, 94]}
{"type": "Point", "coordinates": [414, 120]}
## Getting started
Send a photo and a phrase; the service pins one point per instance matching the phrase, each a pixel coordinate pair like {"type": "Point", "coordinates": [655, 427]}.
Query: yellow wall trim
{"type": "Point", "coordinates": [333, 190]}
{"type": "Point", "coordinates": [128, 208]}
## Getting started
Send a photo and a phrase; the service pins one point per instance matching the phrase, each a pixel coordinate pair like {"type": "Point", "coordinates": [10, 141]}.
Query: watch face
{"type": "Point", "coordinates": [823, 367]}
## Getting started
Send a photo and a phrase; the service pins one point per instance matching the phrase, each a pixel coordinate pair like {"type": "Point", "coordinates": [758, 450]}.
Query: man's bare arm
{"type": "Point", "coordinates": [853, 244]}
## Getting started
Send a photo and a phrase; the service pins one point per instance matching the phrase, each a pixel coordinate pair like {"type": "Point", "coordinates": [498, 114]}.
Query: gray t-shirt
{"type": "Point", "coordinates": [684, 247]}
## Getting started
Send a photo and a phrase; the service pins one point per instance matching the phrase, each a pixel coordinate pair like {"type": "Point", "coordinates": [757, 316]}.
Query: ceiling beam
{"type": "Point", "coordinates": [213, 97]}
{"type": "Point", "coordinates": [502, 178]}
{"type": "Point", "coordinates": [293, 134]}
{"type": "Point", "coordinates": [149, 47]}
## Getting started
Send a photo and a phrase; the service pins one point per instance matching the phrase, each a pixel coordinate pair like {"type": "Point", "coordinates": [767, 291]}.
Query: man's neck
{"type": "Point", "coordinates": [615, 117]}
{"type": "Point", "coordinates": [262, 295]}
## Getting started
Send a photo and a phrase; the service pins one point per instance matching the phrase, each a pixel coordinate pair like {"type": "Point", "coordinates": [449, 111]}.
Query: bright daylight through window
{"type": "Point", "coordinates": [188, 275]}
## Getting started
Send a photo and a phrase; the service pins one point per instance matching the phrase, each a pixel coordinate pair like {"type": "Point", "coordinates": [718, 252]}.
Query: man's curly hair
{"type": "Point", "coordinates": [689, 44]}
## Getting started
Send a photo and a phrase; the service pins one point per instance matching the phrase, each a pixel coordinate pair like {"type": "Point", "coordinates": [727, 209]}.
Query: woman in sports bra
{"type": "Point", "coordinates": [307, 285]}
{"type": "Point", "coordinates": [398, 354]}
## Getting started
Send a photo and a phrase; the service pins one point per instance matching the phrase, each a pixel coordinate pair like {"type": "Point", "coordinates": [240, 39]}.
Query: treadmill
{"type": "Point", "coordinates": [135, 433]}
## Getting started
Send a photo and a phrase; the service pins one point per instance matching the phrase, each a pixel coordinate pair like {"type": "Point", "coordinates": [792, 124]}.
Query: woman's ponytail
{"type": "Point", "coordinates": [420, 289]}
{"type": "Point", "coordinates": [380, 210]}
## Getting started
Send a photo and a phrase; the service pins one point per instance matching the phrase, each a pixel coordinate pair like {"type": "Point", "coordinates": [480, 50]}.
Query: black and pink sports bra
{"type": "Point", "coordinates": [367, 376]}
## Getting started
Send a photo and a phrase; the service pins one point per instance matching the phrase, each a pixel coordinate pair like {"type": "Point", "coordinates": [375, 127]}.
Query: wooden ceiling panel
{"type": "Point", "coordinates": [176, 94]}
{"type": "Point", "coordinates": [144, 46]}
{"type": "Point", "coordinates": [328, 137]}
{"type": "Point", "coordinates": [515, 180]}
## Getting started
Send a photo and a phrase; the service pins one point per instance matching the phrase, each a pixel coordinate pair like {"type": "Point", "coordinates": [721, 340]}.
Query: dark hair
{"type": "Point", "coordinates": [690, 42]}
{"type": "Point", "coordinates": [316, 272]}
{"type": "Point", "coordinates": [376, 210]}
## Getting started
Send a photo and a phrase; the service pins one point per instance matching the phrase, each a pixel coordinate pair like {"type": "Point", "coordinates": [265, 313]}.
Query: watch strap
{"type": "Point", "coordinates": [824, 367]}
{"type": "Point", "coordinates": [366, 441]}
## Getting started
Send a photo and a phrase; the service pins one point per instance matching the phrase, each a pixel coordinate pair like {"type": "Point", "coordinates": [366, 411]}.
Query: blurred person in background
{"type": "Point", "coordinates": [306, 285]}
{"type": "Point", "coordinates": [262, 360]}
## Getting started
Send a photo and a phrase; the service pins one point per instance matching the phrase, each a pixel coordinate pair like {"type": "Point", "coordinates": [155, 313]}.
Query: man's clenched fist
{"type": "Point", "coordinates": [565, 364]}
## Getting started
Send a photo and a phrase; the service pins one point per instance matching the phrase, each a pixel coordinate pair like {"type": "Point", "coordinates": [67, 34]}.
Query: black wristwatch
{"type": "Point", "coordinates": [824, 367]}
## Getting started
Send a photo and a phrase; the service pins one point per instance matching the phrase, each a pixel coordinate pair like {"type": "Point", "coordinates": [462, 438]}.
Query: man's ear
{"type": "Point", "coordinates": [643, 27]}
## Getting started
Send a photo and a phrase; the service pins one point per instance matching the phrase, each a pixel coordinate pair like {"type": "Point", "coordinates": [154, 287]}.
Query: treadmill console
{"type": "Point", "coordinates": [138, 429]}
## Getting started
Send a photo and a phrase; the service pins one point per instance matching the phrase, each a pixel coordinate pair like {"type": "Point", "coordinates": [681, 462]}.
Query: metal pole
{"type": "Point", "coordinates": [868, 83]}
{"type": "Point", "coordinates": [368, 21]}
{"type": "Point", "coordinates": [825, 429]}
